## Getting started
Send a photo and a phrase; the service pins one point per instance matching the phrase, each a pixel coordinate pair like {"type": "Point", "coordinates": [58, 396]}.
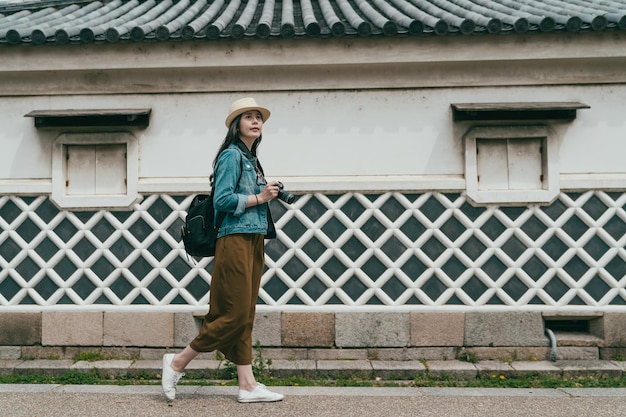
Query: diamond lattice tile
{"type": "Point", "coordinates": [353, 249]}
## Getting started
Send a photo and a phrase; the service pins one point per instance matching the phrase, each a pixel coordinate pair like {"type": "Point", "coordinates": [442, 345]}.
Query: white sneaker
{"type": "Point", "coordinates": [258, 395]}
{"type": "Point", "coordinates": [169, 377]}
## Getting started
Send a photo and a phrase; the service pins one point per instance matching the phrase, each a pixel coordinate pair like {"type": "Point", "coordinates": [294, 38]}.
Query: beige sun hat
{"type": "Point", "coordinates": [243, 105]}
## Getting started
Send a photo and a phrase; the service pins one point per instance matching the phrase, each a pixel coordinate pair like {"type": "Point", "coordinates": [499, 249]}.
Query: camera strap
{"type": "Point", "coordinates": [253, 159]}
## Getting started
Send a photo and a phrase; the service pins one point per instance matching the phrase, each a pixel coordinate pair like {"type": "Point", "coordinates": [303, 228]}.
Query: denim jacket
{"type": "Point", "coordinates": [256, 219]}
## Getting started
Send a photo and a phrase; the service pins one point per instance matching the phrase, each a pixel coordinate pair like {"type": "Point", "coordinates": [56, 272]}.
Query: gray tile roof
{"type": "Point", "coordinates": [64, 21]}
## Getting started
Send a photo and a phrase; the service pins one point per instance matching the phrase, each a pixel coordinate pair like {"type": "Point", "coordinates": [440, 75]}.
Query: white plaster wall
{"type": "Point", "coordinates": [596, 142]}
{"type": "Point", "coordinates": [316, 135]}
{"type": "Point", "coordinates": [25, 153]}
{"type": "Point", "coordinates": [348, 114]}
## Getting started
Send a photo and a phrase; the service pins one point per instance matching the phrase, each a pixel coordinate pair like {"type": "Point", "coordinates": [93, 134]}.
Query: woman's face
{"type": "Point", "coordinates": [251, 125]}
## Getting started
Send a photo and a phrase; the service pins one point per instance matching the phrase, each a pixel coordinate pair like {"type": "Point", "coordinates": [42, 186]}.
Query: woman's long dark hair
{"type": "Point", "coordinates": [231, 137]}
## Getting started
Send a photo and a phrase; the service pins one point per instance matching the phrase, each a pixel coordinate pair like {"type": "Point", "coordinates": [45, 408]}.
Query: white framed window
{"type": "Point", "coordinates": [95, 170]}
{"type": "Point", "coordinates": [511, 164]}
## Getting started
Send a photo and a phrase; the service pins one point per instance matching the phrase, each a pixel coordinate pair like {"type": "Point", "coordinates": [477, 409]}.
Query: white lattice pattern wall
{"type": "Point", "coordinates": [391, 251]}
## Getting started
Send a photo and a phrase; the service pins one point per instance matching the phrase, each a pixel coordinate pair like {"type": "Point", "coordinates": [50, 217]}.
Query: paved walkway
{"type": "Point", "coordinates": [137, 401]}
{"type": "Point", "coordinates": [108, 400]}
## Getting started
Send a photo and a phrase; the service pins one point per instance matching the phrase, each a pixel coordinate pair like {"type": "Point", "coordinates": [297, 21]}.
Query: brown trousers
{"type": "Point", "coordinates": [235, 281]}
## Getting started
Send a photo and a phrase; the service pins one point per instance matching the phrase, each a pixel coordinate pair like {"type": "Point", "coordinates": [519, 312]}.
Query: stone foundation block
{"type": "Point", "coordinates": [437, 329]}
{"type": "Point", "coordinates": [283, 369]}
{"type": "Point", "coordinates": [154, 353]}
{"type": "Point", "coordinates": [105, 368]}
{"type": "Point", "coordinates": [266, 329]}
{"type": "Point", "coordinates": [621, 365]}
{"type": "Point", "coordinates": [398, 369]}
{"type": "Point", "coordinates": [577, 353]}
{"type": "Point", "coordinates": [618, 354]}
{"type": "Point", "coordinates": [454, 368]}
{"type": "Point", "coordinates": [20, 329]}
{"type": "Point", "coordinates": [308, 329]}
{"type": "Point", "coordinates": [149, 366]}
{"type": "Point", "coordinates": [186, 326]}
{"type": "Point", "coordinates": [287, 354]}
{"type": "Point", "coordinates": [615, 330]}
{"type": "Point", "coordinates": [43, 352]}
{"type": "Point", "coordinates": [372, 329]}
{"type": "Point", "coordinates": [345, 369]}
{"type": "Point", "coordinates": [44, 367]}
{"type": "Point", "coordinates": [413, 353]}
{"type": "Point", "coordinates": [7, 367]}
{"type": "Point", "coordinates": [504, 329]}
{"type": "Point", "coordinates": [524, 368]}
{"type": "Point", "coordinates": [338, 354]}
{"type": "Point", "coordinates": [494, 369]}
{"type": "Point", "coordinates": [138, 329]}
{"type": "Point", "coordinates": [108, 352]}
{"type": "Point", "coordinates": [588, 368]}
{"type": "Point", "coordinates": [71, 329]}
{"type": "Point", "coordinates": [10, 352]}
{"type": "Point", "coordinates": [437, 353]}
{"type": "Point", "coordinates": [511, 353]}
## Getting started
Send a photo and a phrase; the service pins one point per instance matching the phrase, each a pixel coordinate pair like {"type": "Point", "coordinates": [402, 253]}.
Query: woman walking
{"type": "Point", "coordinates": [243, 194]}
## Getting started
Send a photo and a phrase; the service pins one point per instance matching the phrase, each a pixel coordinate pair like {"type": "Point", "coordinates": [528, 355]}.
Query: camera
{"type": "Point", "coordinates": [285, 196]}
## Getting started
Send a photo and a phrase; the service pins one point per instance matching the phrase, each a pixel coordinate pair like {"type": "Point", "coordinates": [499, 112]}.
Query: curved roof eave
{"type": "Point", "coordinates": [110, 21]}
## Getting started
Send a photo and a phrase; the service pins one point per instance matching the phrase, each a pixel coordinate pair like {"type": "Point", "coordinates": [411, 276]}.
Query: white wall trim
{"type": "Point", "coordinates": [550, 165]}
{"type": "Point", "coordinates": [574, 182]}
{"type": "Point", "coordinates": [59, 195]}
{"type": "Point", "coordinates": [430, 62]}
{"type": "Point", "coordinates": [348, 183]}
{"type": "Point", "coordinates": [201, 310]}
{"type": "Point", "coordinates": [602, 181]}
{"type": "Point", "coordinates": [21, 186]}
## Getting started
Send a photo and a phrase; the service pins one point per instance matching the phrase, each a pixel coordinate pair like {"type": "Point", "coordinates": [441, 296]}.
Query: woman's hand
{"type": "Point", "coordinates": [269, 193]}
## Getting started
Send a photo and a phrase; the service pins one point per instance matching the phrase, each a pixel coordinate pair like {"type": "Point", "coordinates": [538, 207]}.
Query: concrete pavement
{"type": "Point", "coordinates": [137, 401]}
{"type": "Point", "coordinates": [109, 400]}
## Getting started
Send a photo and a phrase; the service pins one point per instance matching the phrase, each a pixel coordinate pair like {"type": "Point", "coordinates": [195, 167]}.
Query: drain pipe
{"type": "Point", "coordinates": [550, 334]}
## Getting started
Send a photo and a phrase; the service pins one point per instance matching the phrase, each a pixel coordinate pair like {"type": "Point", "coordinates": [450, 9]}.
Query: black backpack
{"type": "Point", "coordinates": [199, 233]}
